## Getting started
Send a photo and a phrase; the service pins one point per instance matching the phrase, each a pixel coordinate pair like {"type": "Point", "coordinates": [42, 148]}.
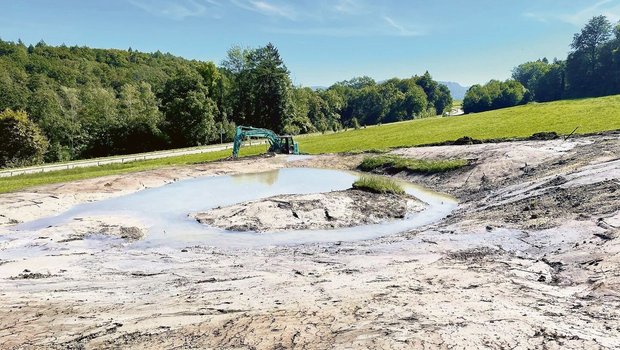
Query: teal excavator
{"type": "Point", "coordinates": [277, 144]}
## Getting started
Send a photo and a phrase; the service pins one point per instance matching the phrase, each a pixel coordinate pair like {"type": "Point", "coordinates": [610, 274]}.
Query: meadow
{"type": "Point", "coordinates": [586, 115]}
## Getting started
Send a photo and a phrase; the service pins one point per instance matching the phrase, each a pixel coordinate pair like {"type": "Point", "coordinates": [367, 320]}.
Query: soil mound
{"type": "Point", "coordinates": [312, 211]}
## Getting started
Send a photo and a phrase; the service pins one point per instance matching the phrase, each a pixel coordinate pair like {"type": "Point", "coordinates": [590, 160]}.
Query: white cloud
{"type": "Point", "coordinates": [177, 10]}
{"type": "Point", "coordinates": [336, 18]}
{"type": "Point", "coordinates": [608, 8]}
{"type": "Point", "coordinates": [349, 7]}
{"type": "Point", "coordinates": [267, 8]}
{"type": "Point", "coordinates": [392, 29]}
{"type": "Point", "coordinates": [400, 29]}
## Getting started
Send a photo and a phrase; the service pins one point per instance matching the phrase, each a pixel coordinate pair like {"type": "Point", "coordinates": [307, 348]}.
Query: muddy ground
{"type": "Point", "coordinates": [317, 211]}
{"type": "Point", "coordinates": [530, 259]}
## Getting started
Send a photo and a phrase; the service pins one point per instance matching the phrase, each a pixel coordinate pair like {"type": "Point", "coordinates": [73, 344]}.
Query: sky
{"type": "Point", "coordinates": [322, 41]}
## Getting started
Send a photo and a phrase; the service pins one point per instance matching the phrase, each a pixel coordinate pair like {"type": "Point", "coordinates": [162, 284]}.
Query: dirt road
{"type": "Point", "coordinates": [530, 259]}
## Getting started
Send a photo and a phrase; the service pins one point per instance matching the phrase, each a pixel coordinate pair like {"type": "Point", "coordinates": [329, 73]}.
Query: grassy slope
{"type": "Point", "coordinates": [591, 115]}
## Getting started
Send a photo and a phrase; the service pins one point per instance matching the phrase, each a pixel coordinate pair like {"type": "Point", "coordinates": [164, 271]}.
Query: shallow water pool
{"type": "Point", "coordinates": [165, 209]}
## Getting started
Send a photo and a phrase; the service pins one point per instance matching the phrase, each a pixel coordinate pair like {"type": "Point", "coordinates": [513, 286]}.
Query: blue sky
{"type": "Point", "coordinates": [322, 41]}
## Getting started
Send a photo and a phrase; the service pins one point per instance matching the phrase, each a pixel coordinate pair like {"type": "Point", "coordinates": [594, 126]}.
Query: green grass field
{"type": "Point", "coordinates": [590, 115]}
{"type": "Point", "coordinates": [18, 182]}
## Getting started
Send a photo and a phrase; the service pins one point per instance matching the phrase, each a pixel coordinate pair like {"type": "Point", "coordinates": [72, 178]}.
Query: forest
{"type": "Point", "coordinates": [61, 103]}
{"type": "Point", "coordinates": [592, 69]}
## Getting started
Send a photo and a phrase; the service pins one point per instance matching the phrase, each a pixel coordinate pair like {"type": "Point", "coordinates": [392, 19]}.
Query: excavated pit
{"type": "Point", "coordinates": [239, 208]}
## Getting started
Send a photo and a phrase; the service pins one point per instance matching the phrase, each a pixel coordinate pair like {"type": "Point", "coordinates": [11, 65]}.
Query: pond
{"type": "Point", "coordinates": [165, 209]}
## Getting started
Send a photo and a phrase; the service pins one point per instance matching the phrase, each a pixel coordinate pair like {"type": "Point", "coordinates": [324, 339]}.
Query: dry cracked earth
{"type": "Point", "coordinates": [529, 260]}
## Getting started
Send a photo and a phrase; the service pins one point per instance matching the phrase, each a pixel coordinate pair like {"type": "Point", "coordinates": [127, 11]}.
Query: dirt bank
{"type": "Point", "coordinates": [530, 259]}
{"type": "Point", "coordinates": [311, 211]}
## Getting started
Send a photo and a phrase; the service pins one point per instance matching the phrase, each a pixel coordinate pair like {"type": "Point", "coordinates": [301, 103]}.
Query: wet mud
{"type": "Point", "coordinates": [530, 259]}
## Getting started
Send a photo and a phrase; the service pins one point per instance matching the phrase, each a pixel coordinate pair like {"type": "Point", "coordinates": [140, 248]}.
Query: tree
{"type": "Point", "coordinates": [262, 95]}
{"type": "Point", "coordinates": [14, 92]}
{"type": "Point", "coordinates": [188, 111]}
{"type": "Point", "coordinates": [45, 108]}
{"type": "Point", "coordinates": [545, 81]}
{"type": "Point", "coordinates": [443, 99]}
{"type": "Point", "coordinates": [359, 82]}
{"type": "Point", "coordinates": [494, 95]}
{"type": "Point", "coordinates": [584, 70]}
{"type": "Point", "coordinates": [98, 117]}
{"type": "Point", "coordinates": [477, 99]}
{"type": "Point", "coordinates": [511, 94]}
{"type": "Point", "coordinates": [139, 119]}
{"type": "Point", "coordinates": [66, 129]}
{"type": "Point", "coordinates": [23, 142]}
{"type": "Point", "coordinates": [596, 32]}
{"type": "Point", "coordinates": [271, 84]}
{"type": "Point", "coordinates": [550, 86]}
{"type": "Point", "coordinates": [368, 105]}
{"type": "Point", "coordinates": [241, 96]}
{"type": "Point", "coordinates": [299, 120]}
{"type": "Point", "coordinates": [438, 95]}
{"type": "Point", "coordinates": [529, 73]}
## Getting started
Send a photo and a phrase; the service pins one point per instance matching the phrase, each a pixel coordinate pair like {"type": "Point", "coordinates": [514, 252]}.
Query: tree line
{"type": "Point", "coordinates": [591, 69]}
{"type": "Point", "coordinates": [63, 103]}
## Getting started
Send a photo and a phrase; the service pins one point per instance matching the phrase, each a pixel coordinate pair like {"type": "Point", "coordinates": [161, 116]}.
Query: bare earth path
{"type": "Point", "coordinates": [531, 259]}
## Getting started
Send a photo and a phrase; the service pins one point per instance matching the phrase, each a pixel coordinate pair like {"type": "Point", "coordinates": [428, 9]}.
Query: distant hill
{"type": "Point", "coordinates": [456, 90]}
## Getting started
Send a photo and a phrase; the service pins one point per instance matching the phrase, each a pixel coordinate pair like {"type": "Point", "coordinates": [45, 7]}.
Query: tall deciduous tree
{"type": "Point", "coordinates": [139, 119]}
{"type": "Point", "coordinates": [596, 32]}
{"type": "Point", "coordinates": [188, 110]}
{"type": "Point", "coordinates": [262, 97]}
{"type": "Point", "coordinates": [98, 116]}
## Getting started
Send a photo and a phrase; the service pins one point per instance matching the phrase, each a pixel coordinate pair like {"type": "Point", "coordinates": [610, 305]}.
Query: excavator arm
{"type": "Point", "coordinates": [246, 131]}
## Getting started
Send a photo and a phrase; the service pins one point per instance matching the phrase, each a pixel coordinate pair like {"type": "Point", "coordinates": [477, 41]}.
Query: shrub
{"type": "Point", "coordinates": [21, 140]}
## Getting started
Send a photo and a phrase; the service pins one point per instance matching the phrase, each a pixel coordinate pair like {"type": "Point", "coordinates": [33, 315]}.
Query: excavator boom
{"type": "Point", "coordinates": [277, 144]}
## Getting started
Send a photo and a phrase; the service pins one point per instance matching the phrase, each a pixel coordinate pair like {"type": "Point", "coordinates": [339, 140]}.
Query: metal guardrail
{"type": "Point", "coordinates": [119, 159]}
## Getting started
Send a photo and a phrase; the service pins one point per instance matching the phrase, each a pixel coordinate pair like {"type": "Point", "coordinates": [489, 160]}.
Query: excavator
{"type": "Point", "coordinates": [277, 144]}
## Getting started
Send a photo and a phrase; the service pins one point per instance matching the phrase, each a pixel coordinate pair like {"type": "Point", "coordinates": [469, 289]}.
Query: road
{"type": "Point", "coordinates": [120, 159]}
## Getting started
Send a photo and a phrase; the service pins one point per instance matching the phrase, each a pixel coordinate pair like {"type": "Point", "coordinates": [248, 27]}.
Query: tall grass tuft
{"type": "Point", "coordinates": [377, 184]}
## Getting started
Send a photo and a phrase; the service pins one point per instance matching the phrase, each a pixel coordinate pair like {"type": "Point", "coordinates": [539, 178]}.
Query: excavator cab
{"type": "Point", "coordinates": [288, 146]}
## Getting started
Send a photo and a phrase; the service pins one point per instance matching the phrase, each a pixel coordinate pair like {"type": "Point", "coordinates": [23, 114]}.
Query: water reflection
{"type": "Point", "coordinates": [267, 177]}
